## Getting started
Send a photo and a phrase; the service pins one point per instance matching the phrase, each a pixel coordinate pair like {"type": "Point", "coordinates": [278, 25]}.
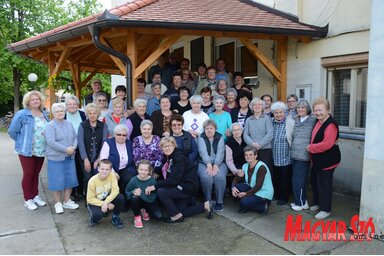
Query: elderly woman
{"type": "Point", "coordinates": [116, 117]}
{"type": "Point", "coordinates": [241, 113]}
{"type": "Point", "coordinates": [258, 132]}
{"type": "Point", "coordinates": [212, 169]}
{"type": "Point", "coordinates": [27, 130]}
{"type": "Point", "coordinates": [147, 146]}
{"type": "Point", "coordinates": [254, 188]}
{"type": "Point", "coordinates": [61, 145]}
{"type": "Point", "coordinates": [90, 137]}
{"type": "Point", "coordinates": [184, 140]}
{"type": "Point", "coordinates": [222, 88]}
{"type": "Point", "coordinates": [231, 100]}
{"type": "Point", "coordinates": [137, 117]}
{"type": "Point", "coordinates": [101, 101]}
{"type": "Point", "coordinates": [325, 156]}
{"type": "Point", "coordinates": [179, 186]}
{"type": "Point", "coordinates": [194, 118]}
{"type": "Point", "coordinates": [281, 143]}
{"type": "Point", "coordinates": [210, 82]}
{"type": "Point", "coordinates": [182, 105]}
{"type": "Point", "coordinates": [118, 150]}
{"type": "Point", "coordinates": [222, 118]}
{"type": "Point", "coordinates": [75, 117]}
{"type": "Point", "coordinates": [300, 160]}
{"type": "Point", "coordinates": [154, 100]}
{"type": "Point", "coordinates": [234, 150]}
{"type": "Point", "coordinates": [161, 118]}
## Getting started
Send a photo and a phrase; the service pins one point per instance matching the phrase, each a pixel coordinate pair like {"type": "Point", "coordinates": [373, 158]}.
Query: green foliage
{"type": "Point", "coordinates": [21, 19]}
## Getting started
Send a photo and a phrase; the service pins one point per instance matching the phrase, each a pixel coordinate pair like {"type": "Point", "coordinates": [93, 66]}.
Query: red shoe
{"type": "Point", "coordinates": [145, 215]}
{"type": "Point", "coordinates": [137, 222]}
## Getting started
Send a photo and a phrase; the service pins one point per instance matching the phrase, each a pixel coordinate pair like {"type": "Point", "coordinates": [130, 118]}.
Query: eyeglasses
{"type": "Point", "coordinates": [121, 135]}
{"type": "Point", "coordinates": [291, 101]}
{"type": "Point", "coordinates": [101, 100]}
{"type": "Point", "coordinates": [177, 124]}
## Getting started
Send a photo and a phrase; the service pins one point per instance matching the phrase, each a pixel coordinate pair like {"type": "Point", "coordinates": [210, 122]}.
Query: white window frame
{"type": "Point", "coordinates": [351, 128]}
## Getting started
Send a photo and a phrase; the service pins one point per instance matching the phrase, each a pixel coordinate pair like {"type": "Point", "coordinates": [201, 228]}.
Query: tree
{"type": "Point", "coordinates": [20, 19]}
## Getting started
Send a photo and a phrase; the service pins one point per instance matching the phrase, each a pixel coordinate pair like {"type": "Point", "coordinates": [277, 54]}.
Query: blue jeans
{"type": "Point", "coordinates": [300, 171]}
{"type": "Point", "coordinates": [252, 202]}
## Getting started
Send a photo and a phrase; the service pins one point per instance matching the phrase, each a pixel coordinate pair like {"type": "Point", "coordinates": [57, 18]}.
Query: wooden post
{"type": "Point", "coordinates": [132, 55]}
{"type": "Point", "coordinates": [51, 67]}
{"type": "Point", "coordinates": [282, 52]}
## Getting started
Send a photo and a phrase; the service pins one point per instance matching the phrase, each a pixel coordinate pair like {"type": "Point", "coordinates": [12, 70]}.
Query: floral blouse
{"type": "Point", "coordinates": [39, 143]}
{"type": "Point", "coordinates": [151, 151]}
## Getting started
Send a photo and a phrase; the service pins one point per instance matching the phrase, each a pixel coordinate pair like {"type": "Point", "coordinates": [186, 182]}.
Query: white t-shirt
{"type": "Point", "coordinates": [194, 121]}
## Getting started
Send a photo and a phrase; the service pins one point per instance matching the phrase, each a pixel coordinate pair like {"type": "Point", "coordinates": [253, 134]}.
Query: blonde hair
{"type": "Point", "coordinates": [323, 101]}
{"type": "Point", "coordinates": [168, 139]}
{"type": "Point", "coordinates": [117, 101]}
{"type": "Point", "coordinates": [146, 162]}
{"type": "Point", "coordinates": [27, 99]}
{"type": "Point", "coordinates": [92, 106]}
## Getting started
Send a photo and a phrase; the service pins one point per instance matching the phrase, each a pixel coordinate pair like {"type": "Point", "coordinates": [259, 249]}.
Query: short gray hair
{"type": "Point", "coordinates": [237, 124]}
{"type": "Point", "coordinates": [232, 90]}
{"type": "Point", "coordinates": [209, 122]}
{"type": "Point", "coordinates": [304, 103]}
{"type": "Point", "coordinates": [120, 128]}
{"type": "Point", "coordinates": [250, 148]}
{"type": "Point", "coordinates": [196, 98]}
{"type": "Point", "coordinates": [71, 97]}
{"type": "Point", "coordinates": [254, 101]}
{"type": "Point", "coordinates": [138, 102]}
{"type": "Point", "coordinates": [278, 105]}
{"type": "Point", "coordinates": [56, 106]}
{"type": "Point", "coordinates": [92, 106]}
{"type": "Point", "coordinates": [219, 97]}
{"type": "Point", "coordinates": [146, 122]}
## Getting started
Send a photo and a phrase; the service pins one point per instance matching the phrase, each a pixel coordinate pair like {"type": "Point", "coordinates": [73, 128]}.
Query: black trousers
{"type": "Point", "coordinates": [125, 177]}
{"type": "Point", "coordinates": [153, 209]}
{"type": "Point", "coordinates": [265, 155]}
{"type": "Point", "coordinates": [283, 175]}
{"type": "Point", "coordinates": [81, 188]}
{"type": "Point", "coordinates": [95, 211]}
{"type": "Point", "coordinates": [321, 182]}
{"type": "Point", "coordinates": [176, 201]}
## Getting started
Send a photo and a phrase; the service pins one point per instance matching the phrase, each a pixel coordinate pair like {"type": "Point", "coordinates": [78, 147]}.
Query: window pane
{"type": "Point", "coordinates": [361, 97]}
{"type": "Point", "coordinates": [227, 52]}
{"type": "Point", "coordinates": [342, 86]}
{"type": "Point", "coordinates": [248, 62]}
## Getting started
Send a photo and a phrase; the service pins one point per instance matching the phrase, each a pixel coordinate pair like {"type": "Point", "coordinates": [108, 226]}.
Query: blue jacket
{"type": "Point", "coordinates": [114, 156]}
{"type": "Point", "coordinates": [21, 131]}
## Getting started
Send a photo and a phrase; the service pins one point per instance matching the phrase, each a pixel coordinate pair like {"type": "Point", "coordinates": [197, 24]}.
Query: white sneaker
{"type": "Point", "coordinates": [314, 208]}
{"type": "Point", "coordinates": [300, 208]}
{"type": "Point", "coordinates": [30, 205]}
{"type": "Point", "coordinates": [59, 208]}
{"type": "Point", "coordinates": [70, 205]}
{"type": "Point", "coordinates": [322, 215]}
{"type": "Point", "coordinates": [39, 201]}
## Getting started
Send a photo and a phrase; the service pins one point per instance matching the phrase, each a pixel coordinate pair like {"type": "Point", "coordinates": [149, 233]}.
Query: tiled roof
{"type": "Point", "coordinates": [226, 15]}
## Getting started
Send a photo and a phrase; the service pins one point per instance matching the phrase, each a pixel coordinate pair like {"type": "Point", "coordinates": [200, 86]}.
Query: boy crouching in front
{"type": "Point", "coordinates": [103, 195]}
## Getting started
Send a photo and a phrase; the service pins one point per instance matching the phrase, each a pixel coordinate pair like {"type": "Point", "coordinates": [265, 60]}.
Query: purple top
{"type": "Point", "coordinates": [151, 152]}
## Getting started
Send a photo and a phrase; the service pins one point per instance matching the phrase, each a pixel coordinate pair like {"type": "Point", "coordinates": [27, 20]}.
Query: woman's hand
{"type": "Point", "coordinates": [307, 148]}
{"type": "Point", "coordinates": [137, 192]}
{"type": "Point", "coordinates": [240, 173]}
{"type": "Point", "coordinates": [95, 164]}
{"type": "Point", "coordinates": [235, 192]}
{"type": "Point", "coordinates": [215, 170]}
{"type": "Point", "coordinates": [256, 145]}
{"type": "Point", "coordinates": [87, 165]}
{"type": "Point", "coordinates": [241, 194]}
{"type": "Point", "coordinates": [70, 150]}
{"type": "Point", "coordinates": [209, 169]}
{"type": "Point", "coordinates": [165, 134]}
{"type": "Point", "coordinates": [149, 189]}
{"type": "Point", "coordinates": [193, 133]}
{"type": "Point", "coordinates": [228, 133]}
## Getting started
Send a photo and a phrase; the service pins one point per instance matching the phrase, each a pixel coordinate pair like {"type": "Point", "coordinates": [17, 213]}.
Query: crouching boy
{"type": "Point", "coordinates": [103, 195]}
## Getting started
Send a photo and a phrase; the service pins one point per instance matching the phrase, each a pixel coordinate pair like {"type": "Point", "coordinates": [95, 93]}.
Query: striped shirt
{"type": "Point", "coordinates": [280, 146]}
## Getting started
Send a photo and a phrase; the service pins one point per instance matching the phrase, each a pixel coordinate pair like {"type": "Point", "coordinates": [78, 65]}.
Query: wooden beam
{"type": "Point", "coordinates": [117, 61]}
{"type": "Point", "coordinates": [52, 76]}
{"type": "Point", "coordinates": [75, 71]}
{"type": "Point", "coordinates": [89, 77]}
{"type": "Point", "coordinates": [149, 48]}
{"type": "Point", "coordinates": [262, 58]}
{"type": "Point", "coordinates": [282, 52]}
{"type": "Point", "coordinates": [131, 39]}
{"type": "Point", "coordinates": [62, 60]}
{"type": "Point", "coordinates": [156, 54]}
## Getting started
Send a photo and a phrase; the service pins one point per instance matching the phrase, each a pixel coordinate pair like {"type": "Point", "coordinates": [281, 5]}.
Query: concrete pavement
{"type": "Point", "coordinates": [44, 232]}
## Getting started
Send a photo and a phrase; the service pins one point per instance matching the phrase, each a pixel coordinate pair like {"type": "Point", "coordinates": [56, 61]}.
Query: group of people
{"type": "Point", "coordinates": [174, 143]}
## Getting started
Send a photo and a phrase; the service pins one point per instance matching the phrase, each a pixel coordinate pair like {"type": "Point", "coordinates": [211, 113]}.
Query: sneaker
{"type": "Point", "coordinates": [70, 205]}
{"type": "Point", "coordinates": [59, 208]}
{"type": "Point", "coordinates": [116, 221]}
{"type": "Point", "coordinates": [314, 208]}
{"type": "Point", "coordinates": [266, 209]}
{"type": "Point", "coordinates": [145, 215]}
{"type": "Point", "coordinates": [30, 205]}
{"type": "Point", "coordinates": [218, 207]}
{"type": "Point", "coordinates": [322, 215]}
{"type": "Point", "coordinates": [39, 201]}
{"type": "Point", "coordinates": [137, 222]}
{"type": "Point", "coordinates": [300, 208]}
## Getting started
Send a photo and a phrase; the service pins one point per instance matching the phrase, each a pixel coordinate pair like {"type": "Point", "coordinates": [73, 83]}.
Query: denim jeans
{"type": "Point", "coordinates": [300, 171]}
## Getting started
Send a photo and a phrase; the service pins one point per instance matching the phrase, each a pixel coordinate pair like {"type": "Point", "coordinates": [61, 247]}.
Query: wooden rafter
{"type": "Point", "coordinates": [62, 60]}
{"type": "Point", "coordinates": [262, 58]}
{"type": "Point", "coordinates": [282, 58]}
{"type": "Point", "coordinates": [156, 54]}
{"type": "Point", "coordinates": [75, 71]}
{"type": "Point", "coordinates": [149, 48]}
{"type": "Point", "coordinates": [116, 60]}
{"type": "Point", "coordinates": [89, 77]}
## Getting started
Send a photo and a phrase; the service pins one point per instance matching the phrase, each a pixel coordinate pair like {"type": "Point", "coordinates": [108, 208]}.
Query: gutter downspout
{"type": "Point", "coordinates": [94, 29]}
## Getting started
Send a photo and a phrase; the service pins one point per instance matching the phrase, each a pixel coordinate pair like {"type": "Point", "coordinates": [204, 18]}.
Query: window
{"type": "Point", "coordinates": [347, 87]}
{"type": "Point", "coordinates": [248, 62]}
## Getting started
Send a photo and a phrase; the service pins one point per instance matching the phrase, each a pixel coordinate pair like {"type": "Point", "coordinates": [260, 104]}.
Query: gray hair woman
{"type": "Point", "coordinates": [101, 101]}
{"type": "Point", "coordinates": [134, 120]}
{"type": "Point", "coordinates": [258, 132]}
{"type": "Point", "coordinates": [28, 126]}
{"type": "Point", "coordinates": [234, 146]}
{"type": "Point", "coordinates": [231, 100]}
{"type": "Point", "coordinates": [301, 137]}
{"type": "Point", "coordinates": [61, 145]}
{"type": "Point", "coordinates": [211, 168]}
{"type": "Point", "coordinates": [90, 137]}
{"type": "Point", "coordinates": [281, 143]}
{"type": "Point", "coordinates": [75, 117]}
{"type": "Point", "coordinates": [116, 117]}
{"type": "Point", "coordinates": [194, 118]}
{"type": "Point", "coordinates": [118, 150]}
{"type": "Point", "coordinates": [222, 118]}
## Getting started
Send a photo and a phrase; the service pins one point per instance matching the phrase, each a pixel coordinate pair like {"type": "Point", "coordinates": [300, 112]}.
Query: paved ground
{"type": "Point", "coordinates": [43, 232]}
